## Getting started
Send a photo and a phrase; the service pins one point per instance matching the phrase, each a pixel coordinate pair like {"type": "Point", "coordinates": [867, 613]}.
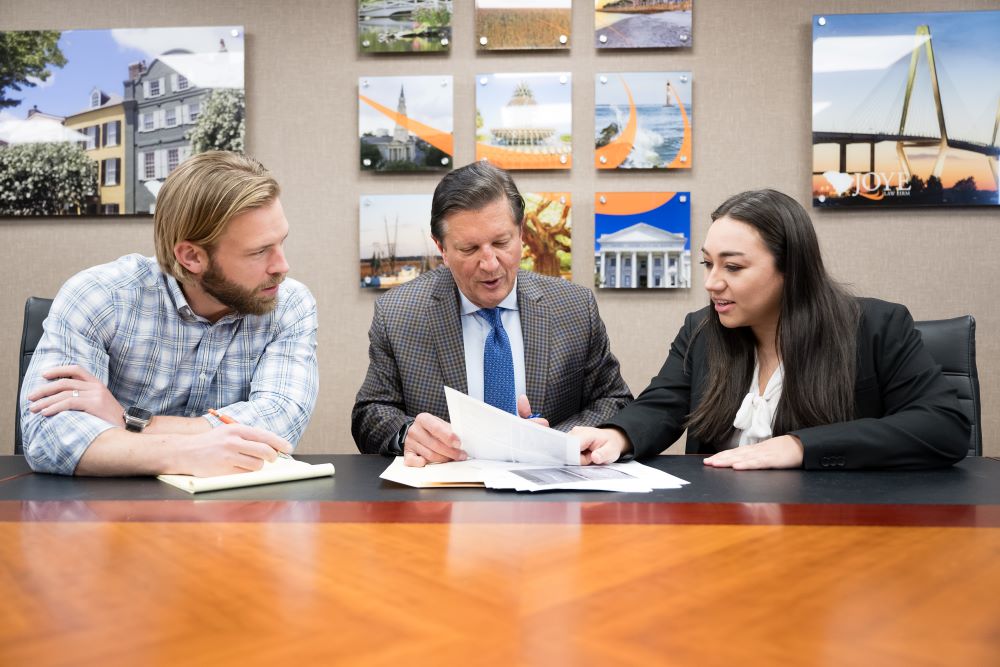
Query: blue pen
{"type": "Point", "coordinates": [534, 415]}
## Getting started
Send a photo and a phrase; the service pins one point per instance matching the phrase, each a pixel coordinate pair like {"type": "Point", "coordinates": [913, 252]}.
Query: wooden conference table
{"type": "Point", "coordinates": [776, 567]}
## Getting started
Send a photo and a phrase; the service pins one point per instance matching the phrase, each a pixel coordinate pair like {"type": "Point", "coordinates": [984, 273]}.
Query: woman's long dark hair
{"type": "Point", "coordinates": [817, 330]}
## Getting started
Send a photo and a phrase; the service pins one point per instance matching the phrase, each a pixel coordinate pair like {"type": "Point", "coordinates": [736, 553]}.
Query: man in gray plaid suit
{"type": "Point", "coordinates": [431, 332]}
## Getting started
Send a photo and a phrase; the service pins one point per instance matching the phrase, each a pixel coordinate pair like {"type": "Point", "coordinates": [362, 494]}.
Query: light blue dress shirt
{"type": "Point", "coordinates": [474, 332]}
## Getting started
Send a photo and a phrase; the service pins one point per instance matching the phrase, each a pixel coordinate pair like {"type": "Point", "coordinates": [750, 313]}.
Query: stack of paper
{"type": "Point", "coordinates": [281, 470]}
{"type": "Point", "coordinates": [507, 452]}
{"type": "Point", "coordinates": [631, 476]}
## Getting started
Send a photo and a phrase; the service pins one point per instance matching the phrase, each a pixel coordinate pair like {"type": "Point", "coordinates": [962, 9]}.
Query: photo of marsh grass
{"type": "Point", "coordinates": [523, 24]}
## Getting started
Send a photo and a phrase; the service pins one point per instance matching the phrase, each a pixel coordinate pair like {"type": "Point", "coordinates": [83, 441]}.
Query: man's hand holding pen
{"type": "Point", "coordinates": [226, 419]}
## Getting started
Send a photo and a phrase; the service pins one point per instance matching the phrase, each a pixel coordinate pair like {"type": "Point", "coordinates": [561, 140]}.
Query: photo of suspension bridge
{"type": "Point", "coordinates": [906, 109]}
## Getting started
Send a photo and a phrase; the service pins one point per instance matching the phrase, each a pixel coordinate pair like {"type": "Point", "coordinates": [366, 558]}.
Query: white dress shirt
{"type": "Point", "coordinates": [755, 419]}
{"type": "Point", "coordinates": [474, 332]}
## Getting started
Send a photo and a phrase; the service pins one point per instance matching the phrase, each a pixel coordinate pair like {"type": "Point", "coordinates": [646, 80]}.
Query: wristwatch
{"type": "Point", "coordinates": [136, 418]}
{"type": "Point", "coordinates": [395, 447]}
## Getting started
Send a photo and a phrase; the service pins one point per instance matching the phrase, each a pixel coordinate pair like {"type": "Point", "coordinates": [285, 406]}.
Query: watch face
{"type": "Point", "coordinates": [139, 414]}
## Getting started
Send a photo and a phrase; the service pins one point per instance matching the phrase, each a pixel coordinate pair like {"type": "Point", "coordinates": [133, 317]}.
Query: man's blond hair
{"type": "Point", "coordinates": [201, 196]}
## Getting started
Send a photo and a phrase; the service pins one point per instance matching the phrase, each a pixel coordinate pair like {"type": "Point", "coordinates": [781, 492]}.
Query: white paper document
{"type": "Point", "coordinates": [281, 470]}
{"type": "Point", "coordinates": [630, 476]}
{"type": "Point", "coordinates": [489, 433]}
{"type": "Point", "coordinates": [508, 452]}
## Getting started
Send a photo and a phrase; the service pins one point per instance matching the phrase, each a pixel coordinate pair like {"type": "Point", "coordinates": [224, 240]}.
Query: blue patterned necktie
{"type": "Point", "coordinates": [498, 364]}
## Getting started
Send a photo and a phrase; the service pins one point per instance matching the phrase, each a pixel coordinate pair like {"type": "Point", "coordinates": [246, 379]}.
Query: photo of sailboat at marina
{"type": "Point", "coordinates": [642, 24]}
{"type": "Point", "coordinates": [395, 238]}
{"type": "Point", "coordinates": [642, 120]}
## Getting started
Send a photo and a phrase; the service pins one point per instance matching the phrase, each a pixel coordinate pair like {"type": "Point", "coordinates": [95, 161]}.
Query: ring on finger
{"type": "Point", "coordinates": [76, 393]}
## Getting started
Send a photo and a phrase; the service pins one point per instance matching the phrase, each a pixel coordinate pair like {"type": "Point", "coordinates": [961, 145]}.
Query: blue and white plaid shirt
{"type": "Point", "coordinates": [129, 324]}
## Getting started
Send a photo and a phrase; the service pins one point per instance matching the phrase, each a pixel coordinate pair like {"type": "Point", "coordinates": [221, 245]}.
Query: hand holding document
{"type": "Point", "coordinates": [489, 433]}
{"type": "Point", "coordinates": [508, 452]}
{"type": "Point", "coordinates": [280, 470]}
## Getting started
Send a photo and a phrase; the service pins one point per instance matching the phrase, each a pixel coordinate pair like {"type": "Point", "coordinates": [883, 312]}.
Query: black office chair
{"type": "Point", "coordinates": [952, 343]}
{"type": "Point", "coordinates": [36, 310]}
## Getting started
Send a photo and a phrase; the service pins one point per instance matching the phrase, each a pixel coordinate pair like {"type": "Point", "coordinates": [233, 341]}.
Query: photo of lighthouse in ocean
{"type": "Point", "coordinates": [642, 120]}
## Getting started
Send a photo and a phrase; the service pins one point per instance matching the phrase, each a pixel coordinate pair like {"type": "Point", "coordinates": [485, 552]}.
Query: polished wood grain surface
{"type": "Point", "coordinates": [788, 514]}
{"type": "Point", "coordinates": [465, 592]}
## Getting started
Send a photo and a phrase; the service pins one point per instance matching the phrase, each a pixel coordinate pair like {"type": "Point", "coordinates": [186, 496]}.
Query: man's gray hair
{"type": "Point", "coordinates": [471, 188]}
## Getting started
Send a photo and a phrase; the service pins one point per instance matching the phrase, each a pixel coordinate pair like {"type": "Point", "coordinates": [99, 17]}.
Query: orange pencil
{"type": "Point", "coordinates": [225, 419]}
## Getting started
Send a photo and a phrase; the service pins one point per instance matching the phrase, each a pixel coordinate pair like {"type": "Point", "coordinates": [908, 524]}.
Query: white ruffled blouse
{"type": "Point", "coordinates": [755, 418]}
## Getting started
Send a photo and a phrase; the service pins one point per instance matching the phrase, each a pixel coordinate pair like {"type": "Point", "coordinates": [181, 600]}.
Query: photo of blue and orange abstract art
{"type": "Point", "coordinates": [642, 240]}
{"type": "Point", "coordinates": [642, 120]}
{"type": "Point", "coordinates": [906, 109]}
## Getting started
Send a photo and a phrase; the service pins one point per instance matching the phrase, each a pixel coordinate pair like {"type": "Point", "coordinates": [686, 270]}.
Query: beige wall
{"type": "Point", "coordinates": [751, 68]}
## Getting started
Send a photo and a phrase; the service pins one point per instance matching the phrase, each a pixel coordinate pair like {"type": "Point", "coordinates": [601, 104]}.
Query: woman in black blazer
{"type": "Point", "coordinates": [785, 369]}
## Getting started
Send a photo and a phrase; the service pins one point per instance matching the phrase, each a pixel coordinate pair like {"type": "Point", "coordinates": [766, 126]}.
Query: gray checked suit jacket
{"type": "Point", "coordinates": [416, 349]}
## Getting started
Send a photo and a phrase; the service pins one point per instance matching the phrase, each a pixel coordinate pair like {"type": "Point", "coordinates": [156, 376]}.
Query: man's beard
{"type": "Point", "coordinates": [240, 299]}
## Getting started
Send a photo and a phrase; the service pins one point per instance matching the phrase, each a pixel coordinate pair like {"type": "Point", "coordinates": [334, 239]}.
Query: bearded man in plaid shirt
{"type": "Point", "coordinates": [136, 352]}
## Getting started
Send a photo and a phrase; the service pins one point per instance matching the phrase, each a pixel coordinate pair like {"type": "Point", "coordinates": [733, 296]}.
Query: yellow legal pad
{"type": "Point", "coordinates": [282, 470]}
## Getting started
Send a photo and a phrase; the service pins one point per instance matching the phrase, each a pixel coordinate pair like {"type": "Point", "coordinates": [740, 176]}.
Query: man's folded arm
{"type": "Point", "coordinates": [285, 383]}
{"type": "Point", "coordinates": [77, 331]}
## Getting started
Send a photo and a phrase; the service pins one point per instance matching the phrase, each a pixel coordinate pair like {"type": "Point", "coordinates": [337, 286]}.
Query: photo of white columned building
{"type": "Point", "coordinates": [642, 240]}
{"type": "Point", "coordinates": [643, 256]}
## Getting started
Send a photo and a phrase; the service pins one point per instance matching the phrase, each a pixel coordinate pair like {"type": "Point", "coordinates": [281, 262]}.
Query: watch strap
{"type": "Point", "coordinates": [395, 447]}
